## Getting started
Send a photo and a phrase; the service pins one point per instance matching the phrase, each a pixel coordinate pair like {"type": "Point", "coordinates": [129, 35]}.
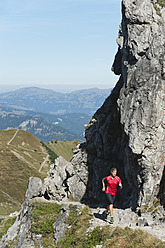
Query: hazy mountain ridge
{"type": "Point", "coordinates": [61, 127]}
{"type": "Point", "coordinates": [38, 127]}
{"type": "Point", "coordinates": [33, 109]}
{"type": "Point", "coordinates": [49, 101]}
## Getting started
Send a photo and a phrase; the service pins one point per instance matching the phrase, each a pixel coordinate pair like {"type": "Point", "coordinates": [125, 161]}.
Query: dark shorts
{"type": "Point", "coordinates": [111, 198]}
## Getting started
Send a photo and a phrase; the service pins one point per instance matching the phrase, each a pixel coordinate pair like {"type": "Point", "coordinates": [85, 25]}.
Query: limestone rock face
{"type": "Point", "coordinates": [20, 229]}
{"type": "Point", "coordinates": [128, 131]}
{"type": "Point", "coordinates": [60, 225]}
{"type": "Point", "coordinates": [66, 179]}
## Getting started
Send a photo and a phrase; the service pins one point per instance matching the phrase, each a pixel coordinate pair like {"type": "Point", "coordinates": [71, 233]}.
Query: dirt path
{"type": "Point", "coordinates": [8, 143]}
{"type": "Point", "coordinates": [44, 162]}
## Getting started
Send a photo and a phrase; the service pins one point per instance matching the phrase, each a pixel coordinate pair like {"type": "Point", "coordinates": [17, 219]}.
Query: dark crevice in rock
{"type": "Point", "coordinates": [46, 196]}
{"type": "Point", "coordinates": [161, 193]}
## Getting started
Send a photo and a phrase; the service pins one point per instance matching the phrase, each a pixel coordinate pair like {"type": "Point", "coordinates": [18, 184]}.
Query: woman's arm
{"type": "Point", "coordinates": [120, 185]}
{"type": "Point", "coordinates": [103, 189]}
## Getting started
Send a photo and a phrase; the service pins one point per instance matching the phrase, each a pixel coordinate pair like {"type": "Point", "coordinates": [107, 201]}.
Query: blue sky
{"type": "Point", "coordinates": [62, 44]}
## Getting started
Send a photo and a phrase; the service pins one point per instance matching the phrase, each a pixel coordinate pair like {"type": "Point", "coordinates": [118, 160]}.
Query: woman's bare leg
{"type": "Point", "coordinates": [110, 209]}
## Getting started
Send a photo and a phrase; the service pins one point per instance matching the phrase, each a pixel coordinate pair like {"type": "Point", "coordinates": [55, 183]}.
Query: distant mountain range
{"type": "Point", "coordinates": [48, 114]}
{"type": "Point", "coordinates": [48, 101]}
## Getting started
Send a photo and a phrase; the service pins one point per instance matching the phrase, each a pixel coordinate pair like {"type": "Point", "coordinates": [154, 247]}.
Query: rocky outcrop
{"type": "Point", "coordinates": [20, 229]}
{"type": "Point", "coordinates": [66, 180]}
{"type": "Point", "coordinates": [60, 225]}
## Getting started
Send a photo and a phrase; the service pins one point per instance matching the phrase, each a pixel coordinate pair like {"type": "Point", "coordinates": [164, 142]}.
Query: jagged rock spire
{"type": "Point", "coordinates": [128, 130]}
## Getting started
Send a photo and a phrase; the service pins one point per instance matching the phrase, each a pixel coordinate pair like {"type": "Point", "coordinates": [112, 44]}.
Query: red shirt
{"type": "Point", "coordinates": [112, 184]}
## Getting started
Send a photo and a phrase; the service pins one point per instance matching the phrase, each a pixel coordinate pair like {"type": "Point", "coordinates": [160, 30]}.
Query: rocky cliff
{"type": "Point", "coordinates": [128, 130]}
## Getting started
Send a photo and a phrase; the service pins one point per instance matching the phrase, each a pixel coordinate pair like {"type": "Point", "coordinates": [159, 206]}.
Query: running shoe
{"type": "Point", "coordinates": [111, 220]}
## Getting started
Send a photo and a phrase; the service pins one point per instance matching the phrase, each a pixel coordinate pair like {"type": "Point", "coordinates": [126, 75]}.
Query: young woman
{"type": "Point", "coordinates": [113, 180]}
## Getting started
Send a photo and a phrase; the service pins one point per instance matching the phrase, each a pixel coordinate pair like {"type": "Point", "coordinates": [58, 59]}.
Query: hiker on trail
{"type": "Point", "coordinates": [113, 180]}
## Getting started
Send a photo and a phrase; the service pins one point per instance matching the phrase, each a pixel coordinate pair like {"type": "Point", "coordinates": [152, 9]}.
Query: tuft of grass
{"type": "Point", "coordinates": [157, 10]}
{"type": "Point", "coordinates": [157, 5]}
{"type": "Point", "coordinates": [147, 208]}
{"type": "Point", "coordinates": [144, 208]}
{"type": "Point", "coordinates": [5, 225]}
{"type": "Point", "coordinates": [98, 236]}
{"type": "Point", "coordinates": [11, 244]}
{"type": "Point", "coordinates": [161, 3]}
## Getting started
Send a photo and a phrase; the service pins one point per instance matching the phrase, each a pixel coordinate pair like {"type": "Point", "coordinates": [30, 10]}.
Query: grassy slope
{"type": "Point", "coordinates": [63, 148]}
{"type": "Point", "coordinates": [19, 160]}
{"type": "Point", "coordinates": [22, 159]}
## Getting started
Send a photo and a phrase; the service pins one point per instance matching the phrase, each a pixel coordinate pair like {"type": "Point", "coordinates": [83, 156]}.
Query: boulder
{"type": "Point", "coordinates": [60, 226]}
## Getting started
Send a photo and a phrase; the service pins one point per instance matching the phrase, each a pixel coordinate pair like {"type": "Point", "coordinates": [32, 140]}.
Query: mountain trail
{"type": "Point", "coordinates": [125, 218]}
{"type": "Point", "coordinates": [8, 143]}
{"type": "Point", "coordinates": [122, 218]}
{"type": "Point", "coordinates": [44, 162]}
{"type": "Point", "coordinates": [5, 193]}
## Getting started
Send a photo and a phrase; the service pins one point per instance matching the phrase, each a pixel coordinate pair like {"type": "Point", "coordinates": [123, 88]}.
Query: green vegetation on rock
{"type": "Point", "coordinates": [79, 234]}
{"type": "Point", "coordinates": [157, 10]}
{"type": "Point", "coordinates": [161, 3]}
{"type": "Point", "coordinates": [5, 224]}
{"type": "Point", "coordinates": [44, 215]}
{"type": "Point", "coordinates": [157, 6]}
{"type": "Point", "coordinates": [151, 208]}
